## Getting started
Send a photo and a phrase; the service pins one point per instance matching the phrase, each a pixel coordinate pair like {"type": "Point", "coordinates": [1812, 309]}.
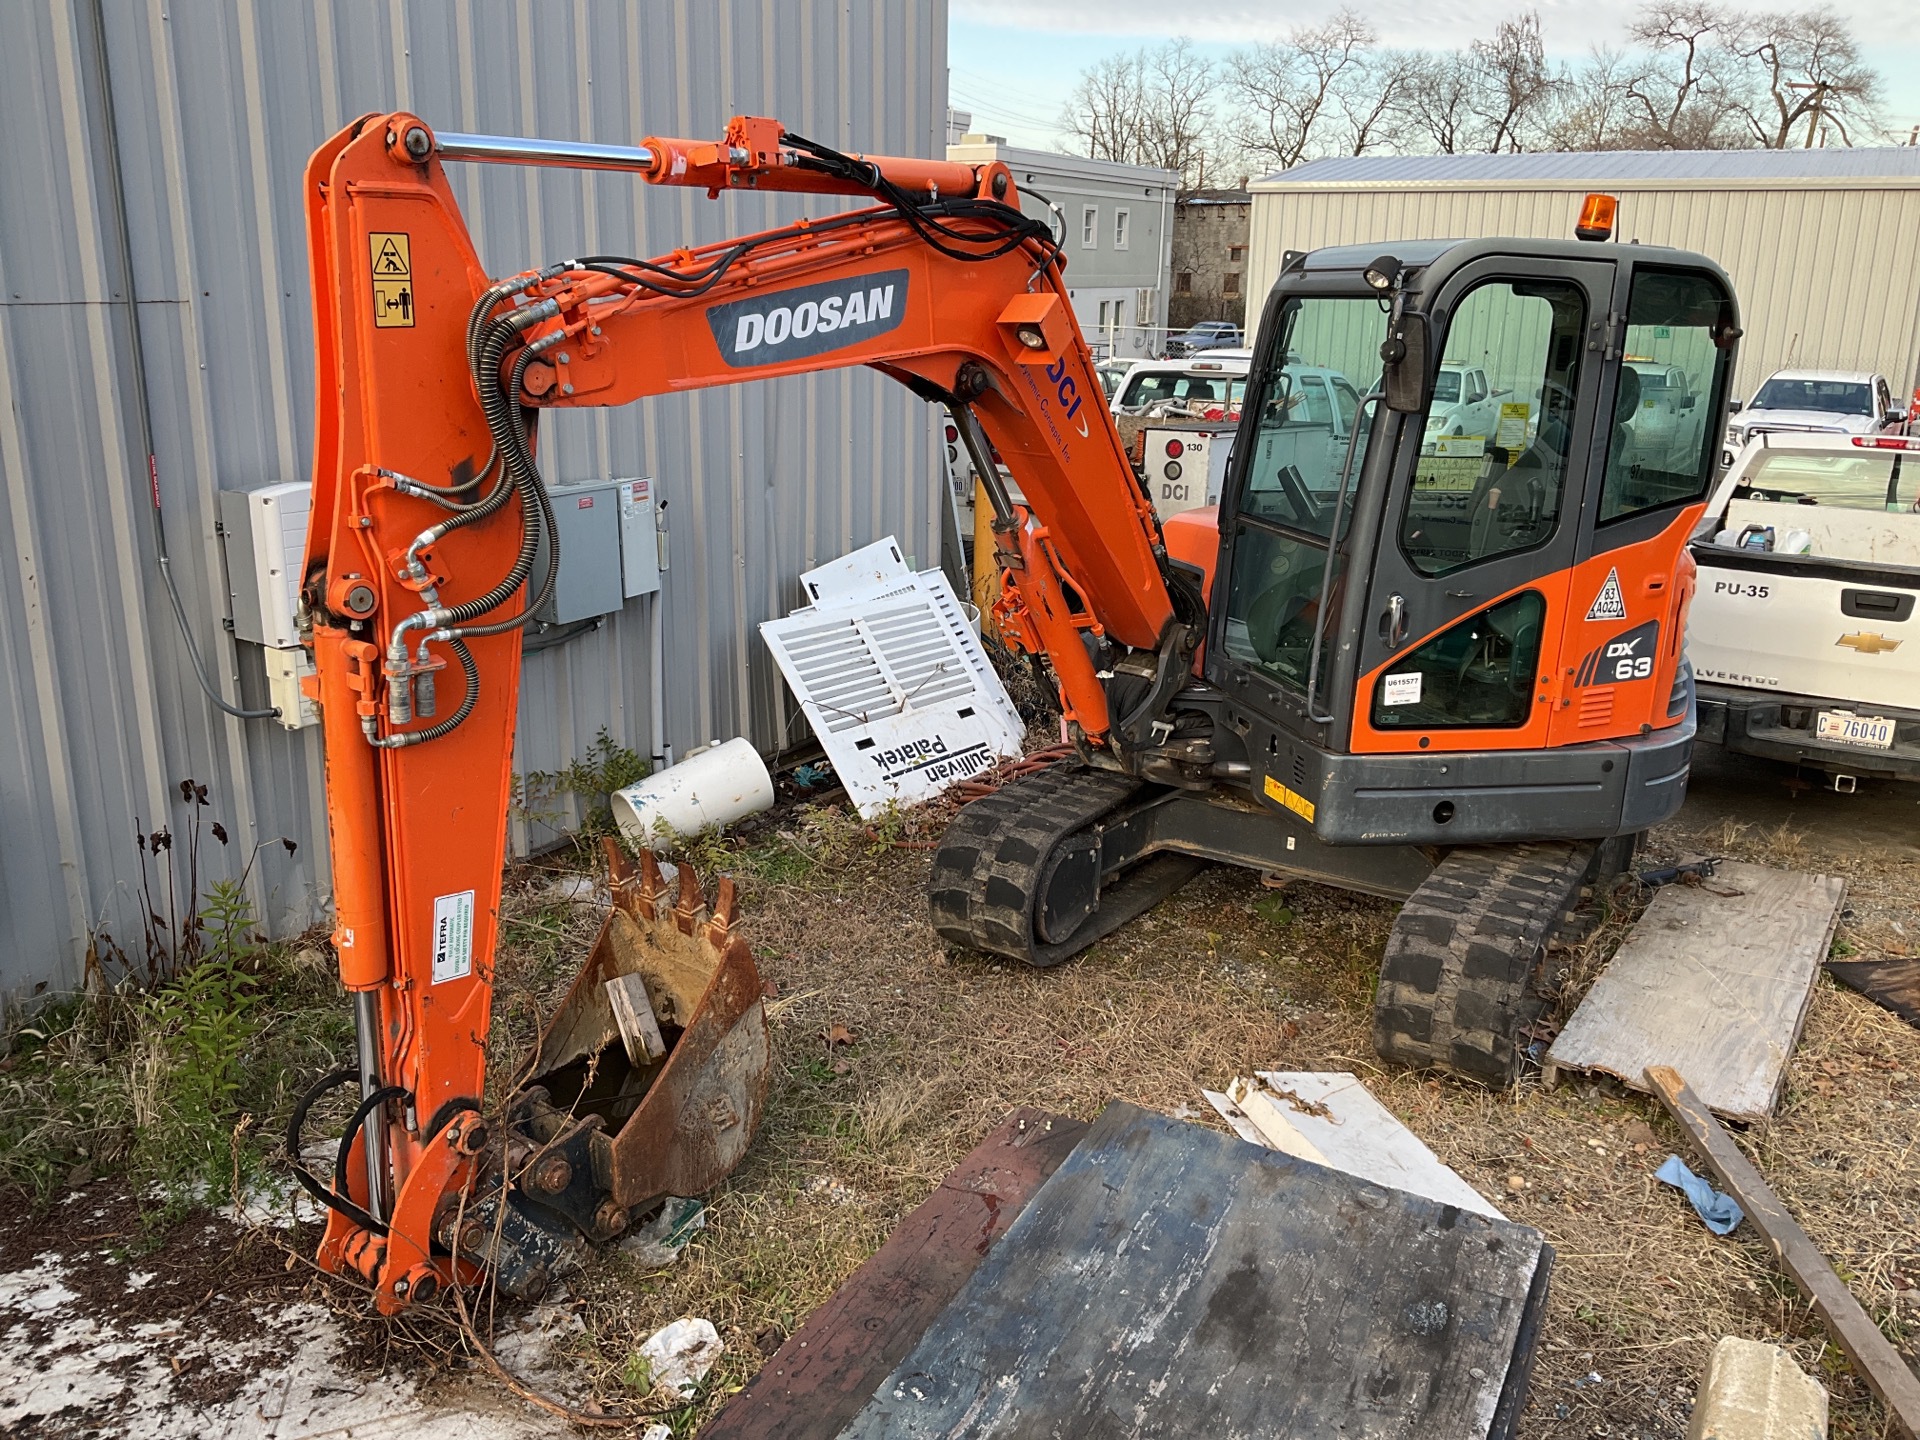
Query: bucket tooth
{"type": "Point", "coordinates": [692, 909]}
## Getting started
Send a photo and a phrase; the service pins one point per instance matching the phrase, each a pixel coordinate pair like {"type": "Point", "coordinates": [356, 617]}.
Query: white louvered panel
{"type": "Point", "coordinates": [896, 686]}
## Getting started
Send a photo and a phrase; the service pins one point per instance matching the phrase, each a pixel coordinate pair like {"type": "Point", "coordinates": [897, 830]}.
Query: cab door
{"type": "Point", "coordinates": [1467, 601]}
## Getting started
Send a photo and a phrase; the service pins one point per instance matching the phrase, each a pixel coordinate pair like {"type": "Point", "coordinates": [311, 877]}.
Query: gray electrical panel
{"type": "Point", "coordinates": [639, 538]}
{"type": "Point", "coordinates": [587, 520]}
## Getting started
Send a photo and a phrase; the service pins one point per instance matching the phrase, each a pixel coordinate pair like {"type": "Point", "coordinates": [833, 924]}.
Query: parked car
{"type": "Point", "coordinates": [1464, 403]}
{"type": "Point", "coordinates": [1802, 634]}
{"type": "Point", "coordinates": [1670, 421]}
{"type": "Point", "coordinates": [1834, 402]}
{"type": "Point", "coordinates": [1111, 373]}
{"type": "Point", "coordinates": [1207, 335]}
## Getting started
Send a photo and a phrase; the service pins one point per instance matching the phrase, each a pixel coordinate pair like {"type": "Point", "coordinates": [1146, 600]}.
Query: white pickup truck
{"type": "Point", "coordinates": [1802, 634]}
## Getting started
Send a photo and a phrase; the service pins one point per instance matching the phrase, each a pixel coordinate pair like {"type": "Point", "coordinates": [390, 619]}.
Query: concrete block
{"type": "Point", "coordinates": [1754, 1391]}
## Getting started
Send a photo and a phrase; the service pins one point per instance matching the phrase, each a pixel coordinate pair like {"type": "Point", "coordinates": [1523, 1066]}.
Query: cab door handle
{"type": "Point", "coordinates": [1393, 624]}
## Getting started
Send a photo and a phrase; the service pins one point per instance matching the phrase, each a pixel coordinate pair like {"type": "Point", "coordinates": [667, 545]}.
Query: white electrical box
{"type": "Point", "coordinates": [265, 533]}
{"type": "Point", "coordinates": [640, 540]}
{"type": "Point", "coordinates": [285, 669]}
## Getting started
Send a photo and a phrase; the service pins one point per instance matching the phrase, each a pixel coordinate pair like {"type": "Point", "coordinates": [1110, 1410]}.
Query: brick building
{"type": "Point", "coordinates": [1210, 230]}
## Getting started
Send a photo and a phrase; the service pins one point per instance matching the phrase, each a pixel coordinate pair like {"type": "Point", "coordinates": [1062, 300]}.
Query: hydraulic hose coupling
{"type": "Point", "coordinates": [400, 670]}
{"type": "Point", "coordinates": [529, 315]}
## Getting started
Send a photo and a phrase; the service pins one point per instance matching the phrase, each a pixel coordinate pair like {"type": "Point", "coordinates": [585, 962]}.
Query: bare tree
{"type": "Point", "coordinates": [1590, 108]}
{"type": "Point", "coordinates": [1511, 82]}
{"type": "Point", "coordinates": [1680, 96]}
{"type": "Point", "coordinates": [1152, 107]}
{"type": "Point", "coordinates": [1285, 92]}
{"type": "Point", "coordinates": [1373, 108]}
{"type": "Point", "coordinates": [1802, 66]}
{"type": "Point", "coordinates": [1439, 101]}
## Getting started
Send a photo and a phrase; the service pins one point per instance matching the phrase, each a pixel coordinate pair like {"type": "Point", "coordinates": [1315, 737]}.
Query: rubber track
{"type": "Point", "coordinates": [987, 871]}
{"type": "Point", "coordinates": [1457, 984]}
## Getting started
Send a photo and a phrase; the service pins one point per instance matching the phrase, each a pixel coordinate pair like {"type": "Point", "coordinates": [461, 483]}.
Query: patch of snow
{"type": "Point", "coordinates": [78, 1374]}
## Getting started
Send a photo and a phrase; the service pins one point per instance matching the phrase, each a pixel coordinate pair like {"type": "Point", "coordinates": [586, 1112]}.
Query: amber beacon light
{"type": "Point", "coordinates": [1597, 214]}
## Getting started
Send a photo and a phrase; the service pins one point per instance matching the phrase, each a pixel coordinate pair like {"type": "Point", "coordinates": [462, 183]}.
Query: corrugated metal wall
{"type": "Point", "coordinates": [1828, 274]}
{"type": "Point", "coordinates": [218, 104]}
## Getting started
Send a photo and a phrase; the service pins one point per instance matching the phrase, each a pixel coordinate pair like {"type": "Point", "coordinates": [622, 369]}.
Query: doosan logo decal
{"type": "Point", "coordinates": [809, 319]}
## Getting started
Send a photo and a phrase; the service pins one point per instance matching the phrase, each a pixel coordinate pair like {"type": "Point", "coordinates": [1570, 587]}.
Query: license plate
{"type": "Point", "coordinates": [1872, 732]}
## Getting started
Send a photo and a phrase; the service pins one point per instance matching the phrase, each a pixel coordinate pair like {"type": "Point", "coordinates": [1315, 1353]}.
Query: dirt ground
{"type": "Point", "coordinates": [893, 1058]}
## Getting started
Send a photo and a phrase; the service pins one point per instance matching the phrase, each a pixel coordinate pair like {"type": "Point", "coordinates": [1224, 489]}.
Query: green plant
{"type": "Point", "coordinates": [593, 777]}
{"type": "Point", "coordinates": [190, 1043]}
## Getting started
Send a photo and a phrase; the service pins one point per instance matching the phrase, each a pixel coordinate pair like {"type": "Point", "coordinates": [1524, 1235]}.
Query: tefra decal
{"type": "Point", "coordinates": [808, 319]}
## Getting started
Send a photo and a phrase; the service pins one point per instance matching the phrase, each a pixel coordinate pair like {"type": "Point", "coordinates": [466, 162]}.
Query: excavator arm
{"type": "Point", "coordinates": [420, 571]}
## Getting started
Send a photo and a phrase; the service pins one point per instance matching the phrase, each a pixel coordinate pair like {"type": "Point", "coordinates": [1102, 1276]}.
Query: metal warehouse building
{"type": "Point", "coordinates": [1823, 245]}
{"type": "Point", "coordinates": [150, 184]}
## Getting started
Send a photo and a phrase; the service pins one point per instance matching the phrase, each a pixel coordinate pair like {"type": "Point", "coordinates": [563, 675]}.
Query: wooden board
{"type": "Point", "coordinates": [1877, 1361]}
{"type": "Point", "coordinates": [818, 1380]}
{"type": "Point", "coordinates": [1891, 984]}
{"type": "Point", "coordinates": [1173, 1281]}
{"type": "Point", "coordinates": [1354, 1132]}
{"type": "Point", "coordinates": [1714, 977]}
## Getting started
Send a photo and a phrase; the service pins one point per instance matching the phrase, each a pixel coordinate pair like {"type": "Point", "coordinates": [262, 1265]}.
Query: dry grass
{"type": "Point", "coordinates": [1224, 978]}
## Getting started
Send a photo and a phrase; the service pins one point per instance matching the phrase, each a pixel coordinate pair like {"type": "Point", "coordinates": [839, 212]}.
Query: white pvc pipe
{"type": "Point", "coordinates": [714, 787]}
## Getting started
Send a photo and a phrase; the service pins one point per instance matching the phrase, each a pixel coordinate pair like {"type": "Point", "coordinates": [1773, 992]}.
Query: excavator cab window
{"type": "Point", "coordinates": [1304, 409]}
{"type": "Point", "coordinates": [1664, 442]}
{"type": "Point", "coordinates": [1493, 460]}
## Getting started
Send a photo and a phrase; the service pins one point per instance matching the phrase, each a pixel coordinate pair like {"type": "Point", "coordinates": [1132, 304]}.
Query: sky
{"type": "Point", "coordinates": [1013, 63]}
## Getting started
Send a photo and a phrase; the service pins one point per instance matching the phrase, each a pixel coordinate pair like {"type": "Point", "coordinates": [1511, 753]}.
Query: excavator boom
{"type": "Point", "coordinates": [420, 572]}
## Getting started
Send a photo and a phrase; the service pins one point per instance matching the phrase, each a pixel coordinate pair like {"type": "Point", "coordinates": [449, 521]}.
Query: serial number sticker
{"type": "Point", "coordinates": [1401, 689]}
{"type": "Point", "coordinates": [452, 937]}
{"type": "Point", "coordinates": [1281, 795]}
{"type": "Point", "coordinates": [1870, 732]}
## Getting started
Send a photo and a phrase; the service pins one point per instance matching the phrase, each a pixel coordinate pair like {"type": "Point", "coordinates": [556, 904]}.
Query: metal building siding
{"type": "Point", "coordinates": [1828, 274]}
{"type": "Point", "coordinates": [219, 103]}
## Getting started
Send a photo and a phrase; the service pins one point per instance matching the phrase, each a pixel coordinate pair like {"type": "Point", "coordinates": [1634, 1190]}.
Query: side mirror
{"type": "Point", "coordinates": [1733, 407]}
{"type": "Point", "coordinates": [1895, 417]}
{"type": "Point", "coordinates": [1403, 356]}
{"type": "Point", "coordinates": [1686, 402]}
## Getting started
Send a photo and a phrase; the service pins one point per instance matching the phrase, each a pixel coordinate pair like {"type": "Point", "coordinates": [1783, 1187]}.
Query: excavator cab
{"type": "Point", "coordinates": [1463, 624]}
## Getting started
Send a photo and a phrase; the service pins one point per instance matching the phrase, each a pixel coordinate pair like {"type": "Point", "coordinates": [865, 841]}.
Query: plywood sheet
{"type": "Point", "coordinates": [1341, 1119]}
{"type": "Point", "coordinates": [1714, 980]}
{"type": "Point", "coordinates": [818, 1380]}
{"type": "Point", "coordinates": [1172, 1281]}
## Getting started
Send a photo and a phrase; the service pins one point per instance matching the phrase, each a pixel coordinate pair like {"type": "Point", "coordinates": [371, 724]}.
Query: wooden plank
{"type": "Point", "coordinates": [1235, 1117]}
{"type": "Point", "coordinates": [1172, 1281]}
{"type": "Point", "coordinates": [1891, 984]}
{"type": "Point", "coordinates": [1264, 1113]}
{"type": "Point", "coordinates": [1352, 1131]}
{"type": "Point", "coordinates": [633, 1013]}
{"type": "Point", "coordinates": [818, 1380]}
{"type": "Point", "coordinates": [1716, 976]}
{"type": "Point", "coordinates": [1852, 1328]}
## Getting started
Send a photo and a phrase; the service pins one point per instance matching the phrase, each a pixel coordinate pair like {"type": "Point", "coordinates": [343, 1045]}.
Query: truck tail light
{"type": "Point", "coordinates": [1886, 442]}
{"type": "Point", "coordinates": [1175, 449]}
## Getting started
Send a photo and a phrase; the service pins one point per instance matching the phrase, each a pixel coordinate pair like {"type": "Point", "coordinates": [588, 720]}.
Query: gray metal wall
{"type": "Point", "coordinates": [1827, 269]}
{"type": "Point", "coordinates": [219, 103]}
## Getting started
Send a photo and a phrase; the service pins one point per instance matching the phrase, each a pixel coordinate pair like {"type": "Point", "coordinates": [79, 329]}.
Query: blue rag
{"type": "Point", "coordinates": [1720, 1212]}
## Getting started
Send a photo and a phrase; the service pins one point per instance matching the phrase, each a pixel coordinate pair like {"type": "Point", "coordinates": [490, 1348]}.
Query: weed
{"type": "Point", "coordinates": [592, 778]}
{"type": "Point", "coordinates": [1274, 910]}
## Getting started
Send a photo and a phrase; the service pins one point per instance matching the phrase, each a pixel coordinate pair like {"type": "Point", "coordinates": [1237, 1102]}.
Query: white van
{"type": "Point", "coordinates": [1803, 635]}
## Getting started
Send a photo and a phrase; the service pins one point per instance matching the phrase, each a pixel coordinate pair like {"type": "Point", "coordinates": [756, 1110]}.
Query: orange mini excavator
{"type": "Point", "coordinates": [1427, 646]}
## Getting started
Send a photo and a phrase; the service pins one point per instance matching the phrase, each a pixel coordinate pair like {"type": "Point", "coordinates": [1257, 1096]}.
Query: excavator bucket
{"type": "Point", "coordinates": [651, 1076]}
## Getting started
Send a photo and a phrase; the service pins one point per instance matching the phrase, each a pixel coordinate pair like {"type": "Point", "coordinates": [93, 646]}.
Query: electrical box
{"type": "Point", "coordinates": [265, 535]}
{"type": "Point", "coordinates": [639, 539]}
{"type": "Point", "coordinates": [285, 670]}
{"type": "Point", "coordinates": [588, 521]}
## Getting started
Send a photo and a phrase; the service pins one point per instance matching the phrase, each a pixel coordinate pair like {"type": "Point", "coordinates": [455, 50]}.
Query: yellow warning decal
{"type": "Point", "coordinates": [1280, 795]}
{"type": "Point", "coordinates": [393, 300]}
